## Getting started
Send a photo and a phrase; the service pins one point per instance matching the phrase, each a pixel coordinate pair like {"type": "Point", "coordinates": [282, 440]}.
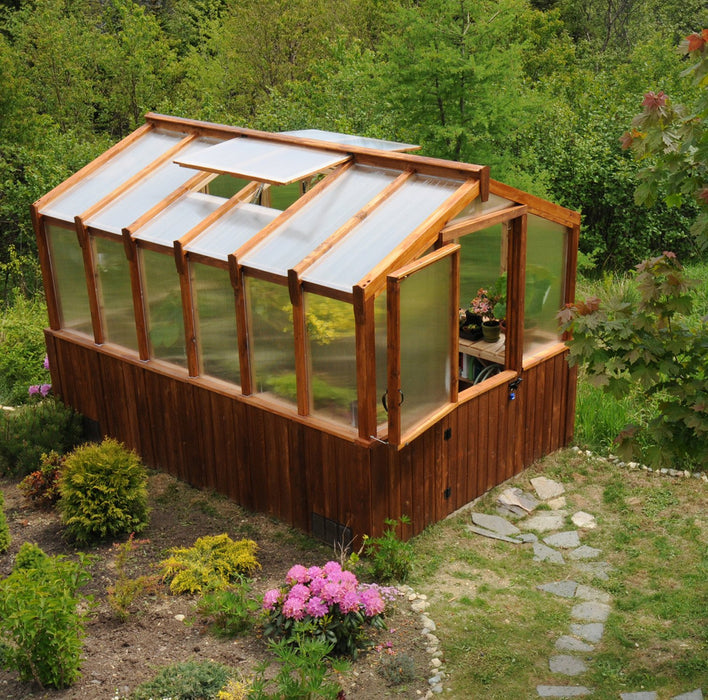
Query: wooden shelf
{"type": "Point", "coordinates": [494, 352]}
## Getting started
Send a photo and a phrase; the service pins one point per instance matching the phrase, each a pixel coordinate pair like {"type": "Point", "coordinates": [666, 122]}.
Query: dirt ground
{"type": "Point", "coordinates": [118, 656]}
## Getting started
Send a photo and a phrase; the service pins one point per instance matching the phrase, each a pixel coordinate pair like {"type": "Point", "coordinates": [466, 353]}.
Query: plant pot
{"type": "Point", "coordinates": [471, 332]}
{"type": "Point", "coordinates": [491, 330]}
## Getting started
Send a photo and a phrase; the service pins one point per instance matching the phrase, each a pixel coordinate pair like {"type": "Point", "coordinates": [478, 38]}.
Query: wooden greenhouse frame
{"type": "Point", "coordinates": [303, 356]}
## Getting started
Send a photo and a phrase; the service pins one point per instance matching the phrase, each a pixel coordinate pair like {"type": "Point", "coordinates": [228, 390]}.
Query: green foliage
{"type": "Point", "coordinates": [33, 430]}
{"type": "Point", "coordinates": [303, 673]}
{"type": "Point", "coordinates": [391, 558]}
{"type": "Point", "coordinates": [397, 669]}
{"type": "Point", "coordinates": [231, 610]}
{"type": "Point", "coordinates": [213, 563]}
{"type": "Point", "coordinates": [653, 346]}
{"type": "Point", "coordinates": [41, 627]}
{"type": "Point", "coordinates": [190, 680]}
{"type": "Point", "coordinates": [5, 537]}
{"type": "Point", "coordinates": [41, 487]}
{"type": "Point", "coordinates": [103, 492]}
{"type": "Point", "coordinates": [30, 556]}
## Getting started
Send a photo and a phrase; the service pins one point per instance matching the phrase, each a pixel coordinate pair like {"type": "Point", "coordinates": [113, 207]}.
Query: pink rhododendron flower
{"type": "Point", "coordinates": [34, 389]}
{"type": "Point", "coordinates": [372, 601]}
{"type": "Point", "coordinates": [314, 572]}
{"type": "Point", "coordinates": [350, 602]}
{"type": "Point", "coordinates": [45, 364]}
{"type": "Point", "coordinates": [316, 607]}
{"type": "Point", "coordinates": [294, 608]}
{"type": "Point", "coordinates": [299, 590]}
{"type": "Point", "coordinates": [297, 574]}
{"type": "Point", "coordinates": [332, 568]}
{"type": "Point", "coordinates": [45, 389]}
{"type": "Point", "coordinates": [348, 580]}
{"type": "Point", "coordinates": [317, 584]}
{"type": "Point", "coordinates": [271, 598]}
{"type": "Point", "coordinates": [330, 592]}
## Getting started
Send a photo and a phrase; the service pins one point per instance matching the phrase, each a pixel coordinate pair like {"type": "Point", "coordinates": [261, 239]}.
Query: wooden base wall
{"type": "Point", "coordinates": [272, 464]}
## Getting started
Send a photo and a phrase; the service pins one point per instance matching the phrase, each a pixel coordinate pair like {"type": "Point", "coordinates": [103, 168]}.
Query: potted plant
{"type": "Point", "coordinates": [470, 325]}
{"type": "Point", "coordinates": [487, 304]}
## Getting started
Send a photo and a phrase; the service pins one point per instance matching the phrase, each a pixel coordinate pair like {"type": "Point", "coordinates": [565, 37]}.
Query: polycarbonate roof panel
{"type": "Point", "coordinates": [264, 161]}
{"type": "Point", "coordinates": [151, 189]}
{"type": "Point", "coordinates": [179, 217]}
{"type": "Point", "coordinates": [111, 174]}
{"type": "Point", "coordinates": [375, 237]}
{"type": "Point", "coordinates": [232, 230]}
{"type": "Point", "coordinates": [478, 208]}
{"type": "Point", "coordinates": [351, 140]}
{"type": "Point", "coordinates": [318, 219]}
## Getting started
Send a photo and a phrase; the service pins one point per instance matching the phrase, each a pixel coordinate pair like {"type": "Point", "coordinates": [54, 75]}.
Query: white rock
{"type": "Point", "coordinates": [435, 663]}
{"type": "Point", "coordinates": [584, 520]}
{"type": "Point", "coordinates": [557, 503]}
{"type": "Point", "coordinates": [179, 618]}
{"type": "Point", "coordinates": [547, 488]}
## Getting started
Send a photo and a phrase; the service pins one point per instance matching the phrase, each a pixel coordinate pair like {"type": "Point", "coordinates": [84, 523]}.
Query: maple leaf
{"type": "Point", "coordinates": [696, 42]}
{"type": "Point", "coordinates": [653, 101]}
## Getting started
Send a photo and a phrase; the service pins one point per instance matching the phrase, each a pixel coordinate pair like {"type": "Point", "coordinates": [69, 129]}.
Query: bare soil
{"type": "Point", "coordinates": [118, 656]}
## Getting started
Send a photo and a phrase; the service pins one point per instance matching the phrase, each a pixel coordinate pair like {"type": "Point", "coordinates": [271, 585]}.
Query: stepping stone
{"type": "Point", "coordinates": [527, 537]}
{"type": "Point", "coordinates": [493, 522]}
{"type": "Point", "coordinates": [590, 633]}
{"type": "Point", "coordinates": [590, 593]}
{"type": "Point", "coordinates": [516, 497]}
{"type": "Point", "coordinates": [564, 589]}
{"type": "Point", "coordinates": [693, 695]}
{"type": "Point", "coordinates": [543, 553]}
{"type": "Point", "coordinates": [639, 696]}
{"type": "Point", "coordinates": [544, 522]}
{"type": "Point", "coordinates": [562, 691]}
{"type": "Point", "coordinates": [585, 552]}
{"type": "Point", "coordinates": [567, 665]}
{"type": "Point", "coordinates": [584, 520]}
{"type": "Point", "coordinates": [564, 540]}
{"type": "Point", "coordinates": [556, 503]}
{"type": "Point", "coordinates": [490, 534]}
{"type": "Point", "coordinates": [568, 643]}
{"type": "Point", "coordinates": [547, 488]}
{"type": "Point", "coordinates": [511, 512]}
{"type": "Point", "coordinates": [598, 569]}
{"type": "Point", "coordinates": [590, 612]}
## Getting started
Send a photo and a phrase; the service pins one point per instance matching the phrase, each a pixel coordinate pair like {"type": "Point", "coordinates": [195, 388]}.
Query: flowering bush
{"type": "Point", "coordinates": [326, 603]}
{"type": "Point", "coordinates": [42, 390]}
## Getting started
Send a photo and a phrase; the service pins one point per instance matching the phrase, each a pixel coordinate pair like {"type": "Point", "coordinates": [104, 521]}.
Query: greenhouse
{"type": "Point", "coordinates": [327, 328]}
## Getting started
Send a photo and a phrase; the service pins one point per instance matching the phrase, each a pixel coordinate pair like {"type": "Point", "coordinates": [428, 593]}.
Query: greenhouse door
{"type": "Point", "coordinates": [422, 342]}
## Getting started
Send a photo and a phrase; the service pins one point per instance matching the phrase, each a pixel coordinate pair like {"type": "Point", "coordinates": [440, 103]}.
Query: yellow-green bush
{"type": "Point", "coordinates": [213, 563]}
{"type": "Point", "coordinates": [5, 538]}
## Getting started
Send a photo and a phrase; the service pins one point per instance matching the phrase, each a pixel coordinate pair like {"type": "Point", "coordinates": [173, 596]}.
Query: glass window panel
{"type": "Point", "coordinates": [70, 279]}
{"type": "Point", "coordinates": [115, 293]}
{"type": "Point", "coordinates": [381, 330]}
{"type": "Point", "coordinates": [215, 321]}
{"type": "Point", "coordinates": [231, 231]}
{"type": "Point", "coordinates": [351, 140]}
{"type": "Point", "coordinates": [111, 174]}
{"type": "Point", "coordinates": [163, 305]}
{"type": "Point", "coordinates": [318, 220]}
{"type": "Point", "coordinates": [271, 339]}
{"type": "Point", "coordinates": [377, 235]}
{"type": "Point", "coordinates": [481, 262]}
{"type": "Point", "coordinates": [332, 351]}
{"type": "Point", "coordinates": [545, 278]}
{"type": "Point", "coordinates": [425, 342]}
{"type": "Point", "coordinates": [152, 189]}
{"type": "Point", "coordinates": [262, 160]}
{"type": "Point", "coordinates": [178, 218]}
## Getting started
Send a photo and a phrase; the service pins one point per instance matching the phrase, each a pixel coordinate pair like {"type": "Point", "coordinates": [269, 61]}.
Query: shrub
{"type": "Point", "coordinates": [103, 491]}
{"type": "Point", "coordinates": [41, 487]}
{"type": "Point", "coordinates": [397, 669]}
{"type": "Point", "coordinates": [231, 611]}
{"type": "Point", "coordinates": [327, 604]}
{"type": "Point", "coordinates": [5, 538]}
{"type": "Point", "coordinates": [33, 430]}
{"type": "Point", "coordinates": [391, 557]}
{"type": "Point", "coordinates": [30, 556]}
{"type": "Point", "coordinates": [213, 563]}
{"type": "Point", "coordinates": [236, 689]}
{"type": "Point", "coordinates": [190, 680]}
{"type": "Point", "coordinates": [40, 625]}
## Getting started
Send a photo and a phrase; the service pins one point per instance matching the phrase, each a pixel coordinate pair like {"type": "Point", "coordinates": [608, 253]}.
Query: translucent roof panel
{"type": "Point", "coordinates": [478, 208]}
{"type": "Point", "coordinates": [318, 219]}
{"type": "Point", "coordinates": [351, 140]}
{"type": "Point", "coordinates": [179, 217]}
{"type": "Point", "coordinates": [264, 161]}
{"type": "Point", "coordinates": [376, 236]}
{"type": "Point", "coordinates": [111, 174]}
{"type": "Point", "coordinates": [153, 188]}
{"type": "Point", "coordinates": [232, 230]}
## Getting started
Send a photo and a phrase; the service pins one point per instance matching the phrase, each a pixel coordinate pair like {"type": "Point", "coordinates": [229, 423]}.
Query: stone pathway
{"type": "Point", "coordinates": [555, 545]}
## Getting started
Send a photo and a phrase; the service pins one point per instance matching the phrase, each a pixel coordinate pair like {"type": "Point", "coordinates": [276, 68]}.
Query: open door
{"type": "Point", "coordinates": [422, 342]}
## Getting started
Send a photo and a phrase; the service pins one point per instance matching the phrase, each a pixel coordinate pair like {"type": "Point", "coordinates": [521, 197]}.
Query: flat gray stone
{"type": "Point", "coordinates": [567, 665]}
{"type": "Point", "coordinates": [585, 552]}
{"type": "Point", "coordinates": [562, 691]}
{"type": "Point", "coordinates": [491, 534]}
{"type": "Point", "coordinates": [495, 523]}
{"type": "Point", "coordinates": [544, 522]}
{"type": "Point", "coordinates": [543, 553]}
{"type": "Point", "coordinates": [693, 695]}
{"type": "Point", "coordinates": [590, 612]}
{"type": "Point", "coordinates": [597, 569]}
{"type": "Point", "coordinates": [644, 695]}
{"type": "Point", "coordinates": [564, 540]}
{"type": "Point", "coordinates": [511, 512]}
{"type": "Point", "coordinates": [584, 520]}
{"type": "Point", "coordinates": [516, 497]}
{"type": "Point", "coordinates": [547, 488]}
{"type": "Point", "coordinates": [590, 633]}
{"type": "Point", "coordinates": [594, 594]}
{"type": "Point", "coordinates": [557, 503]}
{"type": "Point", "coordinates": [564, 589]}
{"type": "Point", "coordinates": [527, 537]}
{"type": "Point", "coordinates": [568, 643]}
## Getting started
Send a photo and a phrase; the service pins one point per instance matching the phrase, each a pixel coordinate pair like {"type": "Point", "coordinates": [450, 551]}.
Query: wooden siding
{"type": "Point", "coordinates": [274, 464]}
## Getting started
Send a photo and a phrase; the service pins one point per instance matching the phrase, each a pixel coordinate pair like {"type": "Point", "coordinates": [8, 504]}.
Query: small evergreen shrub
{"type": "Point", "coordinates": [103, 492]}
{"type": "Point", "coordinates": [236, 689]}
{"type": "Point", "coordinates": [40, 626]}
{"type": "Point", "coordinates": [214, 563]}
{"type": "Point", "coordinates": [397, 669]}
{"type": "Point", "coordinates": [230, 611]}
{"type": "Point", "coordinates": [190, 680]}
{"type": "Point", "coordinates": [5, 537]}
{"type": "Point", "coordinates": [41, 487]}
{"type": "Point", "coordinates": [33, 430]}
{"type": "Point", "coordinates": [391, 557]}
